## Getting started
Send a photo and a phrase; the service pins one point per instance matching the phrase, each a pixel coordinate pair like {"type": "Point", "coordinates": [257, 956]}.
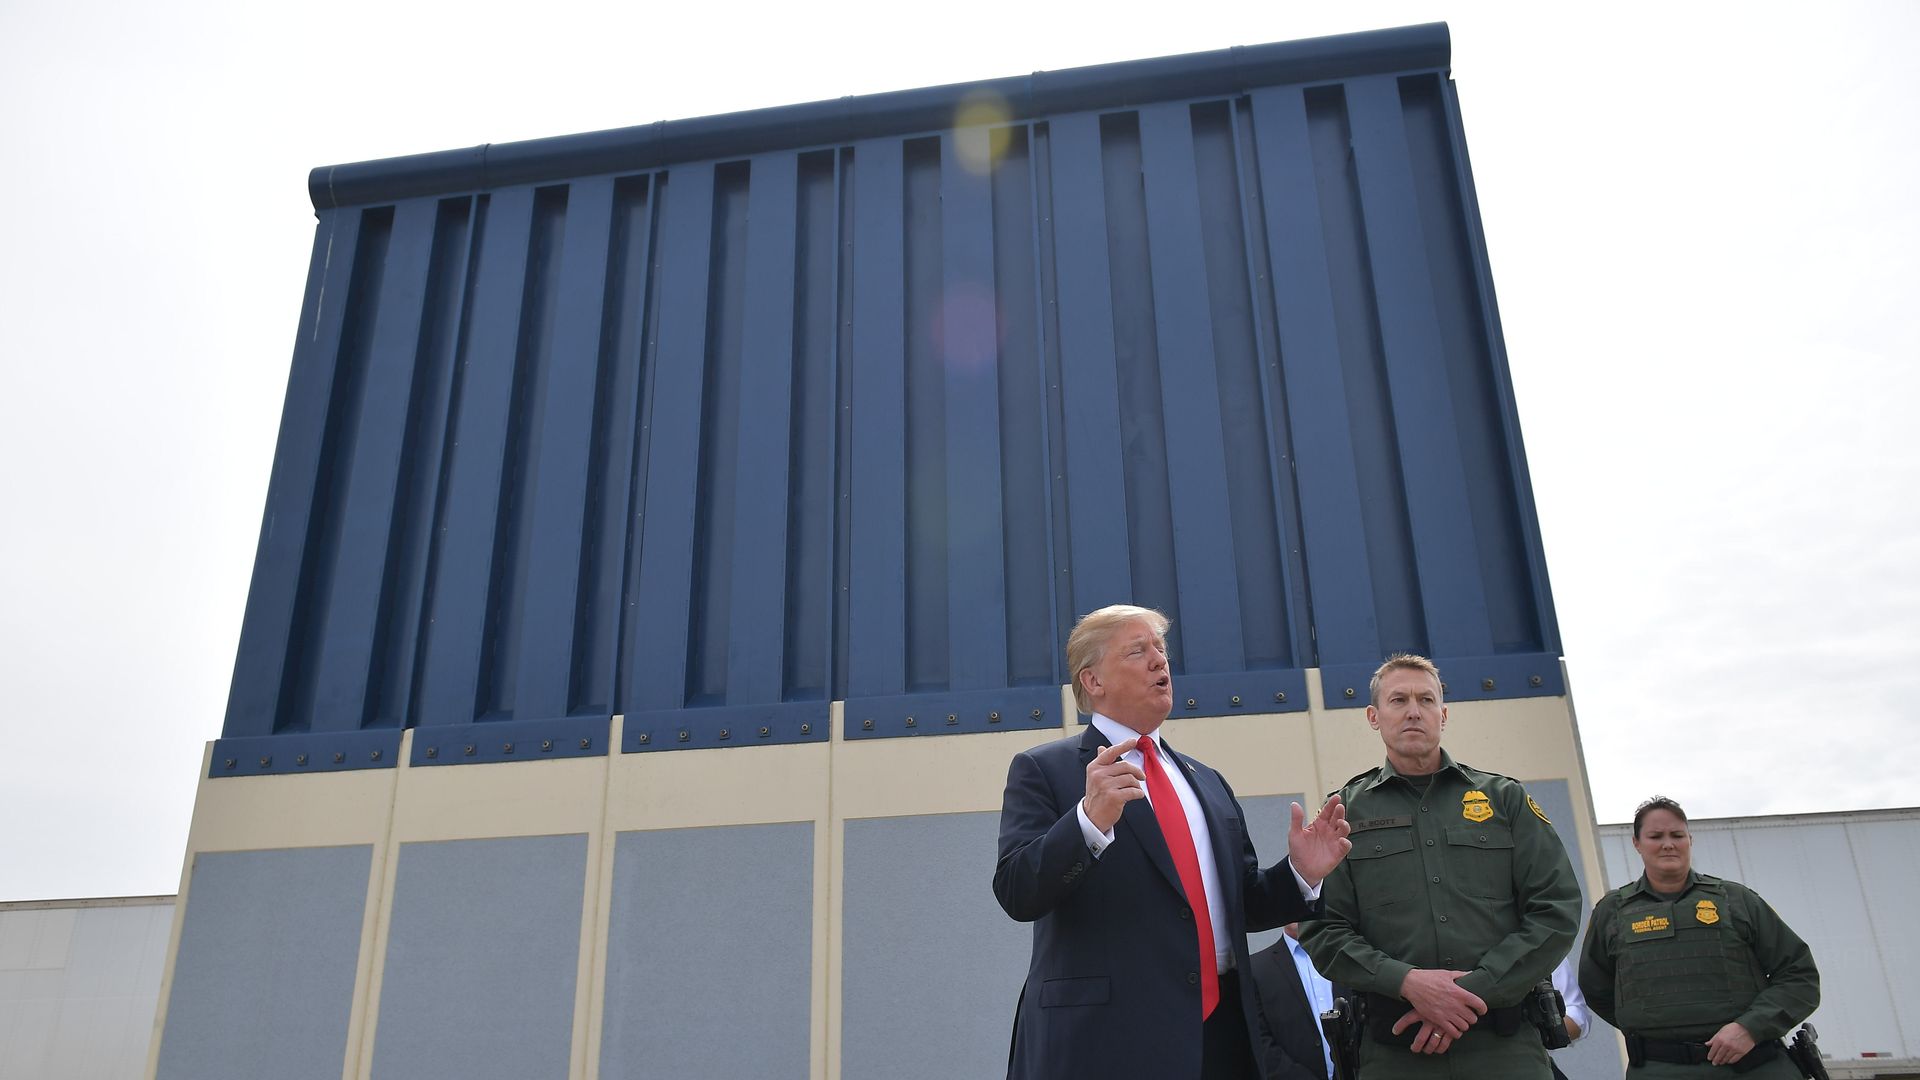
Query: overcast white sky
{"type": "Point", "coordinates": [1703, 225]}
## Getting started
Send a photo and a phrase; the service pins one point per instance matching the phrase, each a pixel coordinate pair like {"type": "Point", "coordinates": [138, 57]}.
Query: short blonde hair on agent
{"type": "Point", "coordinates": [1404, 662]}
{"type": "Point", "coordinates": [1088, 642]}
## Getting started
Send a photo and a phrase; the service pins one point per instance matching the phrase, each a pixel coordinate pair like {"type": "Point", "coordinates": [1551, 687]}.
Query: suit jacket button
{"type": "Point", "coordinates": [1186, 913]}
{"type": "Point", "coordinates": [1193, 978]}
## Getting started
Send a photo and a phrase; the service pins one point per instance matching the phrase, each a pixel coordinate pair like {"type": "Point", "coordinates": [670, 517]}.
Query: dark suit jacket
{"type": "Point", "coordinates": [1114, 949]}
{"type": "Point", "coordinates": [1290, 1048]}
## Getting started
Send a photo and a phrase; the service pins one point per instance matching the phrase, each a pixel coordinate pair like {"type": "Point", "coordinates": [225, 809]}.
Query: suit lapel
{"type": "Point", "coordinates": [1291, 988]}
{"type": "Point", "coordinates": [1136, 818]}
{"type": "Point", "coordinates": [1212, 797]}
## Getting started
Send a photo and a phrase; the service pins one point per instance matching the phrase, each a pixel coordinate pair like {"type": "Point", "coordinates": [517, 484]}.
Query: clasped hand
{"type": "Point", "coordinates": [1442, 1007]}
{"type": "Point", "coordinates": [1729, 1044]}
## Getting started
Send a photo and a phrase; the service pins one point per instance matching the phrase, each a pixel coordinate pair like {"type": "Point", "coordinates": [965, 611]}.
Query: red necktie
{"type": "Point", "coordinates": [1173, 825]}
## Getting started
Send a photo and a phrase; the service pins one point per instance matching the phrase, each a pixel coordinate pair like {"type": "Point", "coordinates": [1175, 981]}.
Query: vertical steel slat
{"type": "Point", "coordinates": [1339, 581]}
{"type": "Point", "coordinates": [1501, 374]}
{"type": "Point", "coordinates": [266, 644]}
{"type": "Point", "coordinates": [463, 572]}
{"type": "Point", "coordinates": [418, 499]}
{"type": "Point", "coordinates": [1097, 537]}
{"type": "Point", "coordinates": [604, 676]}
{"type": "Point", "coordinates": [559, 470]}
{"type": "Point", "coordinates": [1448, 561]}
{"type": "Point", "coordinates": [976, 548]}
{"type": "Point", "coordinates": [1260, 475]}
{"type": "Point", "coordinates": [348, 621]}
{"type": "Point", "coordinates": [756, 662]}
{"type": "Point", "coordinates": [1190, 396]}
{"type": "Point", "coordinates": [812, 419]}
{"type": "Point", "coordinates": [1025, 411]}
{"type": "Point", "coordinates": [664, 590]}
{"type": "Point", "coordinates": [1044, 382]}
{"type": "Point", "coordinates": [877, 571]}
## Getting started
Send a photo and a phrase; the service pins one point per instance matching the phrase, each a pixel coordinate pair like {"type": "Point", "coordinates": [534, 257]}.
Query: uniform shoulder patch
{"type": "Point", "coordinates": [1537, 812]}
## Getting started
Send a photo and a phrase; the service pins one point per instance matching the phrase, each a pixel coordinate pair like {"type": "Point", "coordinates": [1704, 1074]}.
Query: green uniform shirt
{"type": "Point", "coordinates": [1682, 969]}
{"type": "Point", "coordinates": [1469, 876]}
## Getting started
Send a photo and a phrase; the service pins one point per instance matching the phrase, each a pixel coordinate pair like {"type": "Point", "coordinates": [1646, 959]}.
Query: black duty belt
{"type": "Point", "coordinates": [1641, 1048]}
{"type": "Point", "coordinates": [1383, 1012]}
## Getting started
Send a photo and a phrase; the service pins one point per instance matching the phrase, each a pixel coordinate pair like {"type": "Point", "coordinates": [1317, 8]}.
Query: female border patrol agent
{"type": "Point", "coordinates": [1697, 971]}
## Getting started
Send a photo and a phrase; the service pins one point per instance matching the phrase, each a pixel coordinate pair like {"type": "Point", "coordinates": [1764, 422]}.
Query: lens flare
{"type": "Point", "coordinates": [980, 131]}
{"type": "Point", "coordinates": [966, 329]}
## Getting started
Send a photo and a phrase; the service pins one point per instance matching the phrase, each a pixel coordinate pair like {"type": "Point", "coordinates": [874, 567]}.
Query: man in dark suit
{"type": "Point", "coordinates": [1134, 865]}
{"type": "Point", "coordinates": [1290, 996]}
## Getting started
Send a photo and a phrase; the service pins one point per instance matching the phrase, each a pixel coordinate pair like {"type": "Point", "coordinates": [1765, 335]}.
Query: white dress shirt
{"type": "Point", "coordinates": [1319, 992]}
{"type": "Point", "coordinates": [1565, 981]}
{"type": "Point", "coordinates": [1098, 841]}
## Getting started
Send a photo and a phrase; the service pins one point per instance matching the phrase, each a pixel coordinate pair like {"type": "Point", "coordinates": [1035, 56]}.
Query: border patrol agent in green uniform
{"type": "Point", "coordinates": [1699, 973]}
{"type": "Point", "coordinates": [1456, 899]}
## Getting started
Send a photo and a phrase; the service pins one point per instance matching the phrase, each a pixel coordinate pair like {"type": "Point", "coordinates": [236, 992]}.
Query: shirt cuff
{"type": "Point", "coordinates": [1097, 841]}
{"type": "Point", "coordinates": [1309, 893]}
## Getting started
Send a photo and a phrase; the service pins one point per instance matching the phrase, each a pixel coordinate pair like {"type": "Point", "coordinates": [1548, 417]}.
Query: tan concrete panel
{"type": "Point", "coordinates": [513, 798]}
{"type": "Point", "coordinates": [1261, 754]}
{"type": "Point", "coordinates": [927, 774]}
{"type": "Point", "coordinates": [1343, 743]}
{"type": "Point", "coordinates": [743, 785]}
{"type": "Point", "coordinates": [249, 813]}
{"type": "Point", "coordinates": [590, 1015]}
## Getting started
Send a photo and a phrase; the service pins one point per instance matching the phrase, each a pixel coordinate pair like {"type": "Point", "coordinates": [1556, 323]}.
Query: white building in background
{"type": "Point", "coordinates": [1849, 884]}
{"type": "Point", "coordinates": [79, 983]}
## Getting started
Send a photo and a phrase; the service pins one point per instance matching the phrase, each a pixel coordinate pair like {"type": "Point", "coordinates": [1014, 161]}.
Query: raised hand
{"type": "Point", "coordinates": [1112, 784]}
{"type": "Point", "coordinates": [1315, 849]}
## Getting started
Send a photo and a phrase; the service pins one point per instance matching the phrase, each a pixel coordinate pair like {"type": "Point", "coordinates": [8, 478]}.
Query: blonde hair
{"type": "Point", "coordinates": [1088, 641]}
{"type": "Point", "coordinates": [1402, 662]}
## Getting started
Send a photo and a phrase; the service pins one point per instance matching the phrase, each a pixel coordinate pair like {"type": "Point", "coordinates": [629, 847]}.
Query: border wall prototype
{"type": "Point", "coordinates": [674, 531]}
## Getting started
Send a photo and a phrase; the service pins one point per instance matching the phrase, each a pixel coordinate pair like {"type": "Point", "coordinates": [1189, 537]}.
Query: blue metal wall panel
{"type": "Point", "coordinates": [714, 439]}
{"type": "Point", "coordinates": [1327, 482]}
{"type": "Point", "coordinates": [876, 581]}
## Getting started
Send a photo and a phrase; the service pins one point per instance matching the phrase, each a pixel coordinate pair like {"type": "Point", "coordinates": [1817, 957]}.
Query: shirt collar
{"type": "Point", "coordinates": [1117, 732]}
{"type": "Point", "coordinates": [1693, 881]}
{"type": "Point", "coordinates": [1388, 772]}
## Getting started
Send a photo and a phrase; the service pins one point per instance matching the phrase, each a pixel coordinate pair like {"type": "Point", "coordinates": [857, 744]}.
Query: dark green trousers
{"type": "Point", "coordinates": [1481, 1055]}
{"type": "Point", "coordinates": [1780, 1068]}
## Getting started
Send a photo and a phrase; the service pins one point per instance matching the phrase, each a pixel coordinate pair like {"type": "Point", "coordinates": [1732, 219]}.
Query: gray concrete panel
{"type": "Point", "coordinates": [482, 953]}
{"type": "Point", "coordinates": [710, 954]}
{"type": "Point", "coordinates": [1597, 1055]}
{"type": "Point", "coordinates": [1268, 818]}
{"type": "Point", "coordinates": [263, 982]}
{"type": "Point", "coordinates": [931, 967]}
